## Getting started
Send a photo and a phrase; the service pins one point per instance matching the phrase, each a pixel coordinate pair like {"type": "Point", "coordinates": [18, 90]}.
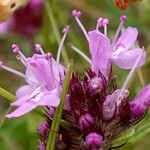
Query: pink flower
{"type": "Point", "coordinates": [120, 51]}
{"type": "Point", "coordinates": [44, 77]}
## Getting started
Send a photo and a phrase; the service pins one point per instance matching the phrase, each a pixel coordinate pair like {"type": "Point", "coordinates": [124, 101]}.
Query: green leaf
{"type": "Point", "coordinates": [57, 118]}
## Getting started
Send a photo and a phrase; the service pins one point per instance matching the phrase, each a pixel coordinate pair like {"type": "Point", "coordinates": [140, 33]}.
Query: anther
{"type": "Point", "coordinates": [66, 29]}
{"type": "Point", "coordinates": [15, 48]}
{"type": "Point", "coordinates": [123, 18]}
{"type": "Point", "coordinates": [48, 56]}
{"type": "Point", "coordinates": [76, 13]}
{"type": "Point", "coordinates": [38, 49]}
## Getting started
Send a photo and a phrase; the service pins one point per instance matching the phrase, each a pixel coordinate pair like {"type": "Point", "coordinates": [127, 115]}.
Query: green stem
{"type": "Point", "coordinates": [7, 95]}
{"type": "Point", "coordinates": [57, 118]}
{"type": "Point", "coordinates": [55, 29]}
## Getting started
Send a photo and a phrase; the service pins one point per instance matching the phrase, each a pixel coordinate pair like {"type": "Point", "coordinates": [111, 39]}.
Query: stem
{"type": "Point", "coordinates": [55, 29]}
{"type": "Point", "coordinates": [7, 95]}
{"type": "Point", "coordinates": [57, 118]}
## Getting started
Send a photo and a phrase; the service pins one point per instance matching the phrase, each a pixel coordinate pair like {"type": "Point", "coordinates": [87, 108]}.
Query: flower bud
{"type": "Point", "coordinates": [93, 140]}
{"type": "Point", "coordinates": [144, 96]}
{"type": "Point", "coordinates": [42, 146]}
{"type": "Point", "coordinates": [43, 129]}
{"type": "Point", "coordinates": [96, 84]}
{"type": "Point", "coordinates": [85, 121]}
{"type": "Point", "coordinates": [137, 109]}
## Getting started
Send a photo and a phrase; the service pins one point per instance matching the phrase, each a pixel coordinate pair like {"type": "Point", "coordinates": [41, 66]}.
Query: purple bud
{"type": "Point", "coordinates": [113, 102]}
{"type": "Point", "coordinates": [43, 129]}
{"type": "Point", "coordinates": [144, 96]}
{"type": "Point", "coordinates": [137, 109]}
{"type": "Point", "coordinates": [85, 121]}
{"type": "Point", "coordinates": [51, 111]}
{"type": "Point", "coordinates": [96, 84]}
{"type": "Point", "coordinates": [109, 108]}
{"type": "Point", "coordinates": [42, 146]}
{"type": "Point", "coordinates": [93, 140]}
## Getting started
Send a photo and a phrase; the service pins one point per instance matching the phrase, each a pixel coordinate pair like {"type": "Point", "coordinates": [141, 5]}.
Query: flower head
{"type": "Point", "coordinates": [120, 51]}
{"type": "Point", "coordinates": [44, 77]}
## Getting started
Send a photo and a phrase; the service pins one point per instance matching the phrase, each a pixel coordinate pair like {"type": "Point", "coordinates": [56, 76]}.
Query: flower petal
{"type": "Point", "coordinates": [20, 101]}
{"type": "Point", "coordinates": [127, 39]}
{"type": "Point", "coordinates": [23, 109]}
{"type": "Point", "coordinates": [101, 52]}
{"type": "Point", "coordinates": [58, 70]}
{"type": "Point", "coordinates": [126, 59]}
{"type": "Point", "coordinates": [24, 90]}
{"type": "Point", "coordinates": [49, 100]}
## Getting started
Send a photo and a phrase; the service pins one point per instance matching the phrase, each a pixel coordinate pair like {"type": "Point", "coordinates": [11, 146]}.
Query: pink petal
{"type": "Point", "coordinates": [20, 101]}
{"type": "Point", "coordinates": [101, 52]}
{"type": "Point", "coordinates": [58, 70]}
{"type": "Point", "coordinates": [24, 90]}
{"type": "Point", "coordinates": [49, 100]}
{"type": "Point", "coordinates": [127, 39]}
{"type": "Point", "coordinates": [23, 109]}
{"type": "Point", "coordinates": [30, 76]}
{"type": "Point", "coordinates": [126, 59]}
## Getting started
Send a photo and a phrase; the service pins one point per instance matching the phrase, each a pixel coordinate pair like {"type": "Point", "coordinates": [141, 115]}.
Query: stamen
{"type": "Point", "coordinates": [105, 23]}
{"type": "Point", "coordinates": [122, 20]}
{"type": "Point", "coordinates": [21, 56]}
{"type": "Point", "coordinates": [38, 49]}
{"type": "Point", "coordinates": [126, 83]}
{"type": "Point", "coordinates": [12, 70]}
{"type": "Point", "coordinates": [80, 53]}
{"type": "Point", "coordinates": [77, 14]}
{"type": "Point", "coordinates": [102, 22]}
{"type": "Point", "coordinates": [65, 31]}
{"type": "Point", "coordinates": [99, 23]}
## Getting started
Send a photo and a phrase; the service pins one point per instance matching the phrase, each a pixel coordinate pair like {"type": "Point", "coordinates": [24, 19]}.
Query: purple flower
{"type": "Point", "coordinates": [93, 140]}
{"type": "Point", "coordinates": [120, 51]}
{"type": "Point", "coordinates": [86, 120]}
{"type": "Point", "coordinates": [26, 20]}
{"type": "Point", "coordinates": [141, 102]}
{"type": "Point", "coordinates": [43, 76]}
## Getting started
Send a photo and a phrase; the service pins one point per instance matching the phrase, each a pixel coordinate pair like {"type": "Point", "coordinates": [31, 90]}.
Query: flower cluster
{"type": "Point", "coordinates": [99, 111]}
{"type": "Point", "coordinates": [44, 77]}
{"type": "Point", "coordinates": [96, 112]}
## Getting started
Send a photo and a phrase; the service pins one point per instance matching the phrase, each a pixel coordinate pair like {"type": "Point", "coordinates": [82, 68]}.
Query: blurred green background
{"type": "Point", "coordinates": [20, 133]}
